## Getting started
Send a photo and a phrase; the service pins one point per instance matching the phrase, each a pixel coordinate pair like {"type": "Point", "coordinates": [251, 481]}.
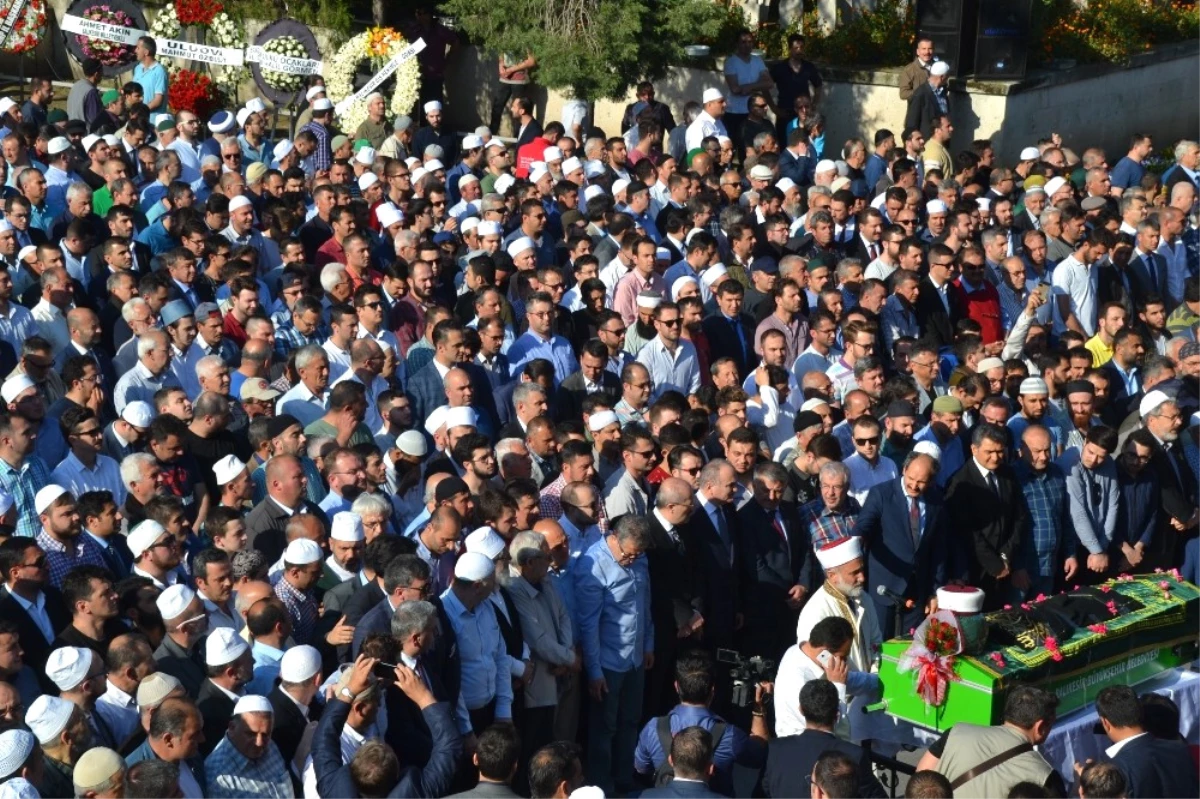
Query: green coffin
{"type": "Point", "coordinates": [1137, 647]}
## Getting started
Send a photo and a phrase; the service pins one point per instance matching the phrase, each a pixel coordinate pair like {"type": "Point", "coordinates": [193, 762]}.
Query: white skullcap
{"type": "Point", "coordinates": [15, 748]}
{"type": "Point", "coordinates": [714, 273]}
{"type": "Point", "coordinates": [496, 143]}
{"type": "Point", "coordinates": [538, 172]}
{"type": "Point", "coordinates": [587, 792]}
{"type": "Point", "coordinates": [461, 417]}
{"type": "Point", "coordinates": [785, 184]}
{"type": "Point", "coordinates": [89, 141]}
{"type": "Point", "coordinates": [365, 156]}
{"type": "Point", "coordinates": [601, 419]}
{"type": "Point", "coordinates": [346, 526]}
{"type": "Point", "coordinates": [46, 497]}
{"type": "Point", "coordinates": [412, 162]}
{"type": "Point", "coordinates": [571, 164]}
{"type": "Point", "coordinates": [366, 180]}
{"type": "Point", "coordinates": [590, 192]}
{"type": "Point", "coordinates": [520, 245]}
{"type": "Point", "coordinates": [239, 202]}
{"type": "Point", "coordinates": [388, 215]}
{"type": "Point", "coordinates": [68, 666]}
{"type": "Point", "coordinates": [418, 173]}
{"type": "Point", "coordinates": [300, 663]}
{"type": "Point", "coordinates": [94, 769]}
{"type": "Point", "coordinates": [486, 542]}
{"type": "Point", "coordinates": [431, 106]}
{"type": "Point", "coordinates": [14, 386]}
{"type": "Point", "coordinates": [712, 95]}
{"type": "Point", "coordinates": [255, 105]}
{"type": "Point", "coordinates": [5, 226]}
{"type": "Point", "coordinates": [224, 645]}
{"type": "Point", "coordinates": [1034, 385]}
{"type": "Point", "coordinates": [242, 115]}
{"type": "Point", "coordinates": [253, 703]}
{"type": "Point", "coordinates": [619, 185]}
{"type": "Point", "coordinates": [988, 364]}
{"type": "Point", "coordinates": [434, 164]}
{"type": "Point", "coordinates": [142, 536]}
{"type": "Point", "coordinates": [413, 443]}
{"type": "Point", "coordinates": [1031, 154]}
{"type": "Point", "coordinates": [59, 144]}
{"type": "Point", "coordinates": [111, 140]}
{"type": "Point", "coordinates": [228, 469]}
{"type": "Point", "coordinates": [27, 250]}
{"type": "Point", "coordinates": [322, 104]}
{"type": "Point", "coordinates": [470, 223]}
{"type": "Point", "coordinates": [155, 688]}
{"type": "Point", "coordinates": [312, 93]}
{"type": "Point", "coordinates": [173, 602]}
{"type": "Point", "coordinates": [960, 599]}
{"type": "Point", "coordinates": [302, 552]}
{"type": "Point", "coordinates": [935, 207]}
{"type": "Point", "coordinates": [839, 184]}
{"type": "Point", "coordinates": [678, 285]}
{"type": "Point", "coordinates": [661, 254]}
{"type": "Point", "coordinates": [1053, 185]}
{"type": "Point", "coordinates": [825, 165]}
{"type": "Point", "coordinates": [6, 104]}
{"type": "Point", "coordinates": [984, 204]}
{"type": "Point", "coordinates": [282, 149]}
{"type": "Point", "coordinates": [47, 717]}
{"type": "Point", "coordinates": [929, 448]}
{"type": "Point", "coordinates": [648, 300]}
{"type": "Point", "coordinates": [815, 402]}
{"type": "Point", "coordinates": [436, 420]}
{"type": "Point", "coordinates": [504, 183]}
{"type": "Point", "coordinates": [838, 552]}
{"type": "Point", "coordinates": [552, 154]}
{"type": "Point", "coordinates": [473, 567]}
{"type": "Point", "coordinates": [1151, 401]}
{"type": "Point", "coordinates": [472, 142]}
{"type": "Point", "coordinates": [939, 68]}
{"type": "Point", "coordinates": [489, 228]}
{"type": "Point", "coordinates": [467, 178]}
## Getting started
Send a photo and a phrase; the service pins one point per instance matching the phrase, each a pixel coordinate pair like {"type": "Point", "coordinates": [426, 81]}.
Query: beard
{"type": "Point", "coordinates": [645, 331]}
{"type": "Point", "coordinates": [852, 591]}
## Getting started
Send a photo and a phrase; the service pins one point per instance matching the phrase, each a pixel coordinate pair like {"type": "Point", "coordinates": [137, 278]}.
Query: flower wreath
{"type": "Point", "coordinates": [211, 17]}
{"type": "Point", "coordinates": [109, 54]}
{"type": "Point", "coordinates": [291, 47]}
{"type": "Point", "coordinates": [27, 31]}
{"type": "Point", "coordinates": [378, 45]}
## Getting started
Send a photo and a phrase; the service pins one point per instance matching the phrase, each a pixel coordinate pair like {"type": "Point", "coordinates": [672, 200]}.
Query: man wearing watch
{"type": "Point", "coordinates": [385, 776]}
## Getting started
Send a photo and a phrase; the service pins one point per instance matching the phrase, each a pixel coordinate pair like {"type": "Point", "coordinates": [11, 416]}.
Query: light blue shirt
{"type": "Point", "coordinates": [139, 384]}
{"type": "Point", "coordinates": [952, 454]}
{"type": "Point", "coordinates": [483, 660]}
{"type": "Point", "coordinates": [671, 371]}
{"type": "Point", "coordinates": [531, 346]}
{"type": "Point", "coordinates": [812, 361]}
{"type": "Point", "coordinates": [1019, 423]}
{"type": "Point", "coordinates": [333, 504]}
{"type": "Point", "coordinates": [615, 628]}
{"type": "Point", "coordinates": [266, 669]}
{"type": "Point", "coordinates": [153, 81]}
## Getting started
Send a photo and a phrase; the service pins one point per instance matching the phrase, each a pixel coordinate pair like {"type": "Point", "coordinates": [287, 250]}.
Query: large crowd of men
{"type": "Point", "coordinates": [407, 462]}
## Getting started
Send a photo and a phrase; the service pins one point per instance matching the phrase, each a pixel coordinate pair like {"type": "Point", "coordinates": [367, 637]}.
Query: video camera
{"type": "Point", "coordinates": [746, 673]}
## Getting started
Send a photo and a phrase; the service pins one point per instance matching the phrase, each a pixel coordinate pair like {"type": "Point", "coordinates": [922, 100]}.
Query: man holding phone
{"type": "Point", "coordinates": [1015, 288]}
{"type": "Point", "coordinates": [825, 655]}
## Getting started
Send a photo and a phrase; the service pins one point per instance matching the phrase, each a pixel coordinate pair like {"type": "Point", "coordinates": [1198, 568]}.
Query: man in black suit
{"type": "Point", "coordinates": [938, 308]}
{"type": "Point", "coordinates": [29, 602]}
{"type": "Point", "coordinates": [1153, 768]}
{"type": "Point", "coordinates": [1162, 418]}
{"type": "Point", "coordinates": [777, 564]}
{"type": "Point", "coordinates": [268, 520]}
{"type": "Point", "coordinates": [592, 378]}
{"type": "Point", "coordinates": [790, 759]}
{"type": "Point", "coordinates": [691, 760]}
{"type": "Point", "coordinates": [924, 105]}
{"type": "Point", "coordinates": [987, 509]}
{"type": "Point", "coordinates": [299, 681]}
{"type": "Point", "coordinates": [713, 531]}
{"type": "Point", "coordinates": [426, 389]}
{"type": "Point", "coordinates": [730, 332]}
{"type": "Point", "coordinates": [230, 666]}
{"type": "Point", "coordinates": [904, 531]}
{"type": "Point", "coordinates": [868, 239]}
{"type": "Point", "coordinates": [676, 591]}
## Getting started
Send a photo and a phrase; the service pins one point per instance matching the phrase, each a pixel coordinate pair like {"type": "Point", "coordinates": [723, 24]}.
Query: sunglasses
{"type": "Point", "coordinates": [863, 442]}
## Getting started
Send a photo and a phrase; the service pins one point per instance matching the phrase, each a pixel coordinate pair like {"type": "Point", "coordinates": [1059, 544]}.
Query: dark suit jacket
{"type": "Point", "coordinates": [790, 761]}
{"type": "Point", "coordinates": [181, 665]}
{"type": "Point", "coordinates": [800, 170]}
{"type": "Point", "coordinates": [571, 393]}
{"type": "Point", "coordinates": [936, 325]}
{"type": "Point", "coordinates": [676, 789]}
{"type": "Point", "coordinates": [1178, 497]}
{"type": "Point", "coordinates": [427, 392]}
{"type": "Point", "coordinates": [289, 722]}
{"type": "Point", "coordinates": [407, 730]}
{"type": "Point", "coordinates": [266, 522]}
{"type": "Point", "coordinates": [361, 601]}
{"type": "Point", "coordinates": [336, 598]}
{"type": "Point", "coordinates": [676, 582]}
{"type": "Point", "coordinates": [1110, 287]}
{"type": "Point", "coordinates": [723, 341]}
{"type": "Point", "coordinates": [1120, 402]}
{"type": "Point", "coordinates": [770, 568]}
{"type": "Point", "coordinates": [1156, 769]}
{"type": "Point", "coordinates": [1143, 282]}
{"type": "Point", "coordinates": [719, 571]}
{"type": "Point", "coordinates": [431, 780]}
{"type": "Point", "coordinates": [922, 108]}
{"type": "Point", "coordinates": [892, 561]}
{"type": "Point", "coordinates": [990, 525]}
{"type": "Point", "coordinates": [37, 649]}
{"type": "Point", "coordinates": [108, 374]}
{"type": "Point", "coordinates": [216, 708]}
{"type": "Point", "coordinates": [486, 790]}
{"type": "Point", "coordinates": [200, 288]}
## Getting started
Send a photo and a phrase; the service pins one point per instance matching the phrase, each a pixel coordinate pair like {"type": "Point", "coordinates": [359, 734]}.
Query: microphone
{"type": "Point", "coordinates": [884, 591]}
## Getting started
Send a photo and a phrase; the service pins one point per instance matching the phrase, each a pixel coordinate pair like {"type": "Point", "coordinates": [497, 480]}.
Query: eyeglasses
{"type": "Point", "coordinates": [693, 470]}
{"type": "Point", "coordinates": [374, 306]}
{"type": "Point", "coordinates": [645, 453]}
{"type": "Point", "coordinates": [620, 332]}
{"type": "Point", "coordinates": [95, 431]}
{"type": "Point", "coordinates": [420, 590]}
{"type": "Point", "coordinates": [627, 555]}
{"type": "Point", "coordinates": [669, 322]}
{"type": "Point", "coordinates": [169, 543]}
{"type": "Point", "coordinates": [866, 442]}
{"type": "Point", "coordinates": [238, 156]}
{"type": "Point", "coordinates": [40, 563]}
{"type": "Point", "coordinates": [923, 365]}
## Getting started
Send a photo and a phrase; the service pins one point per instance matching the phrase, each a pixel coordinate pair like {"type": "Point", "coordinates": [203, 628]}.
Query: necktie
{"type": "Point", "coordinates": [873, 251]}
{"type": "Point", "coordinates": [914, 521]}
{"type": "Point", "coordinates": [1148, 259]}
{"type": "Point", "coordinates": [778, 525]}
{"type": "Point", "coordinates": [991, 481]}
{"type": "Point", "coordinates": [722, 528]}
{"type": "Point", "coordinates": [737, 332]}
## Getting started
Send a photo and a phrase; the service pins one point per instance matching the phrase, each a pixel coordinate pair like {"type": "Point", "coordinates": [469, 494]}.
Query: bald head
{"type": "Point", "coordinates": [250, 592]}
{"type": "Point", "coordinates": [256, 350]}
{"type": "Point", "coordinates": [673, 491]}
{"type": "Point", "coordinates": [857, 403]}
{"type": "Point", "coordinates": [550, 530]}
{"type": "Point", "coordinates": [364, 350]}
{"type": "Point", "coordinates": [726, 425]}
{"type": "Point", "coordinates": [305, 525]}
{"type": "Point", "coordinates": [578, 494]}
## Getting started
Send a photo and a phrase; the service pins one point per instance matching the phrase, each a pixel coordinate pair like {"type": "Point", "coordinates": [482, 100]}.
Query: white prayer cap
{"type": "Point", "coordinates": [5, 226]}
{"type": "Point", "coordinates": [825, 165]}
{"type": "Point", "coordinates": [302, 552]}
{"type": "Point", "coordinates": [14, 386]}
{"type": "Point", "coordinates": [661, 254]}
{"type": "Point", "coordinates": [48, 716]}
{"type": "Point", "coordinates": [594, 168]}
{"type": "Point", "coordinates": [388, 215]}
{"type": "Point", "coordinates": [472, 142]}
{"type": "Point", "coordinates": [431, 106]}
{"type": "Point", "coordinates": [15, 748]}
{"type": "Point", "coordinates": [434, 164]}
{"type": "Point", "coordinates": [619, 185]}
{"type": "Point", "coordinates": [552, 154]}
{"type": "Point", "coordinates": [59, 144]}
{"type": "Point", "coordinates": [601, 419]}
{"type": "Point", "coordinates": [712, 95]}
{"type": "Point", "coordinates": [1151, 401]}
{"type": "Point", "coordinates": [366, 180]}
{"type": "Point", "coordinates": [242, 115]}
{"type": "Point", "coordinates": [587, 792]}
{"type": "Point", "coordinates": [154, 689]}
{"type": "Point", "coordinates": [1031, 154]}
{"type": "Point", "coordinates": [346, 526]}
{"type": "Point", "coordinates": [436, 420]}
{"type": "Point", "coordinates": [960, 599]}
{"type": "Point", "coordinates": [413, 443]}
{"type": "Point", "coordinates": [471, 222]}
{"type": "Point", "coordinates": [94, 769]}
{"type": "Point", "coordinates": [839, 184]}
{"type": "Point", "coordinates": [1033, 386]}
{"type": "Point", "coordinates": [761, 172]}
{"type": "Point", "coordinates": [489, 228]}
{"type": "Point", "coordinates": [939, 68]}
{"type": "Point", "coordinates": [988, 364]}
{"type": "Point", "coordinates": [174, 602]}
{"type": "Point", "coordinates": [467, 178]}
{"type": "Point", "coordinates": [239, 202]}
{"type": "Point", "coordinates": [68, 666]}
{"type": "Point", "coordinates": [365, 156]}
{"type": "Point", "coordinates": [678, 285]}
{"type": "Point", "coordinates": [255, 105]}
{"type": "Point", "coordinates": [142, 536]}
{"type": "Point", "coordinates": [504, 183]}
{"type": "Point", "coordinates": [418, 173]}
{"type": "Point", "coordinates": [228, 469]}
{"type": "Point", "coordinates": [935, 207]}
{"type": "Point", "coordinates": [90, 141]}
{"type": "Point", "coordinates": [984, 204]}
{"type": "Point", "coordinates": [590, 193]}
{"type": "Point", "coordinates": [839, 552]}
{"type": "Point", "coordinates": [412, 162]}
{"type": "Point", "coordinates": [111, 140]}
{"type": "Point", "coordinates": [714, 273]}
{"type": "Point", "coordinates": [27, 250]}
{"type": "Point", "coordinates": [497, 143]}
{"type": "Point", "coordinates": [253, 703]}
{"type": "Point", "coordinates": [537, 173]}
{"type": "Point", "coordinates": [815, 402]}
{"type": "Point", "coordinates": [473, 567]}
{"type": "Point", "coordinates": [1053, 185]}
{"type": "Point", "coordinates": [300, 663]}
{"type": "Point", "coordinates": [648, 299]}
{"type": "Point", "coordinates": [322, 104]}
{"type": "Point", "coordinates": [520, 245]}
{"type": "Point", "coordinates": [461, 417]}
{"type": "Point", "coordinates": [313, 92]}
{"type": "Point", "coordinates": [785, 184]}
{"type": "Point", "coordinates": [282, 149]}
{"type": "Point", "coordinates": [929, 448]}
{"type": "Point", "coordinates": [46, 497]}
{"type": "Point", "coordinates": [571, 164]}
{"type": "Point", "coordinates": [224, 645]}
{"type": "Point", "coordinates": [6, 104]}
{"type": "Point", "coordinates": [486, 542]}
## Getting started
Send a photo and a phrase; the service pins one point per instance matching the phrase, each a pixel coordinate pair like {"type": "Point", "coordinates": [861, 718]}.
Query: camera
{"type": "Point", "coordinates": [746, 673]}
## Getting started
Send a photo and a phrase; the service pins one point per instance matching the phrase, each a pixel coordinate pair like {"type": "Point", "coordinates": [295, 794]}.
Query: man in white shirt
{"type": "Point", "coordinates": [306, 400]}
{"type": "Point", "coordinates": [1074, 284]}
{"type": "Point", "coordinates": [708, 122]}
{"type": "Point", "coordinates": [823, 655]}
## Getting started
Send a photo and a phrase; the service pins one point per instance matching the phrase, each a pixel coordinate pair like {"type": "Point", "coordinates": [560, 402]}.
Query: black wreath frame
{"type": "Point", "coordinates": [134, 10]}
{"type": "Point", "coordinates": [277, 29]}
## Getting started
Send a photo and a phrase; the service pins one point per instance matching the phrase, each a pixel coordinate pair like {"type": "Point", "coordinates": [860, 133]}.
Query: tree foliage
{"type": "Point", "coordinates": [593, 49]}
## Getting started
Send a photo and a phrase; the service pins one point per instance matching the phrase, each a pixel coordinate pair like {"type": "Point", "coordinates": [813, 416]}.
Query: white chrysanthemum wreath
{"type": "Point", "coordinates": [225, 32]}
{"type": "Point", "coordinates": [291, 47]}
{"type": "Point", "coordinates": [379, 45]}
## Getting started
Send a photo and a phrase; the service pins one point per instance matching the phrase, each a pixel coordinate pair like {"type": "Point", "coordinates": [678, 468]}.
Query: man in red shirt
{"type": "Point", "coordinates": [978, 296]}
{"type": "Point", "coordinates": [341, 220]}
{"type": "Point", "coordinates": [535, 150]}
{"type": "Point", "coordinates": [243, 303]}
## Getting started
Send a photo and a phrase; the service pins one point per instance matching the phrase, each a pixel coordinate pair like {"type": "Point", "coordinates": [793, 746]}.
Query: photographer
{"type": "Point", "coordinates": [694, 683]}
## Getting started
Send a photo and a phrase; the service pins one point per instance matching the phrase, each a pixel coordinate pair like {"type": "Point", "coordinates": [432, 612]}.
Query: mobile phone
{"type": "Point", "coordinates": [1043, 291]}
{"type": "Point", "coordinates": [824, 657]}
